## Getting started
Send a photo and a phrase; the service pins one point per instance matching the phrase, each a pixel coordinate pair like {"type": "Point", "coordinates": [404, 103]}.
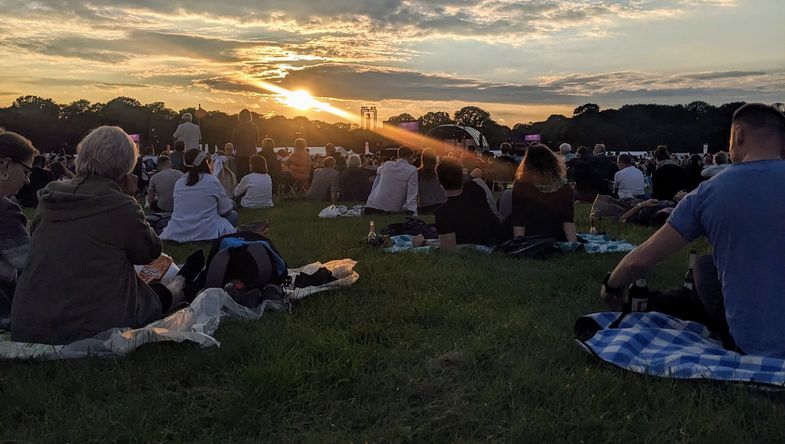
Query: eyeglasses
{"type": "Point", "coordinates": [28, 169]}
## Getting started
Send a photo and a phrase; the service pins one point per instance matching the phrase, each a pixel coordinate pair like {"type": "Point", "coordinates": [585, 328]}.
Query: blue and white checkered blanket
{"type": "Point", "coordinates": [597, 244]}
{"type": "Point", "coordinates": [660, 345]}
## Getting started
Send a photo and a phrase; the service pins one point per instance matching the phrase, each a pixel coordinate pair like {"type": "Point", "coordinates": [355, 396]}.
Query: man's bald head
{"type": "Point", "coordinates": [757, 131]}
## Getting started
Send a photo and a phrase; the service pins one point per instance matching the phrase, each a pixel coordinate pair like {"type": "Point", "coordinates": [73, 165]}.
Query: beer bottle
{"type": "Point", "coordinates": [689, 278]}
{"type": "Point", "coordinates": [638, 297]}
{"type": "Point", "coordinates": [593, 230]}
{"type": "Point", "coordinates": [372, 237]}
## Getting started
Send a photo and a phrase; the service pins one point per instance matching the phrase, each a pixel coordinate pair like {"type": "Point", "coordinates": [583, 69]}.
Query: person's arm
{"type": "Point", "coordinates": [335, 188]}
{"type": "Point", "coordinates": [641, 260]}
{"type": "Point", "coordinates": [152, 193]}
{"type": "Point", "coordinates": [142, 245]}
{"type": "Point", "coordinates": [518, 216]}
{"type": "Point", "coordinates": [412, 189]}
{"type": "Point", "coordinates": [241, 187]}
{"type": "Point", "coordinates": [225, 204]}
{"type": "Point", "coordinates": [176, 134]}
{"type": "Point", "coordinates": [447, 242]}
{"type": "Point", "coordinates": [570, 231]}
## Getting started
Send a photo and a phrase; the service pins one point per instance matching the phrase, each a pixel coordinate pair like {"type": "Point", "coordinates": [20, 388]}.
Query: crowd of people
{"type": "Point", "coordinates": [88, 215]}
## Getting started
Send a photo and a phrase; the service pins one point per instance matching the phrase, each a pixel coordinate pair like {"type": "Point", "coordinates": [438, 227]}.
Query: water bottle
{"type": "Point", "coordinates": [689, 278]}
{"type": "Point", "coordinates": [637, 297]}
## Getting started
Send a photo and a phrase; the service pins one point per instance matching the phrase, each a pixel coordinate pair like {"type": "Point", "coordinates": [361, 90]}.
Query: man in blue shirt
{"type": "Point", "coordinates": [742, 213]}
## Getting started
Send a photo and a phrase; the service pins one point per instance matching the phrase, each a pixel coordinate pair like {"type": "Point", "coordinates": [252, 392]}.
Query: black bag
{"type": "Point", "coordinates": [158, 221]}
{"type": "Point", "coordinates": [411, 226]}
{"type": "Point", "coordinates": [531, 247]}
{"type": "Point", "coordinates": [247, 257]}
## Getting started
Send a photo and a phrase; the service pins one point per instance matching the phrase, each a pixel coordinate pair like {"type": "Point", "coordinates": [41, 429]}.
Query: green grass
{"type": "Point", "coordinates": [423, 348]}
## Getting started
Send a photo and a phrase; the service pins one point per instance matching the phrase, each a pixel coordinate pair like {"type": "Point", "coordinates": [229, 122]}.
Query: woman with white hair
{"type": "Point", "coordinates": [202, 209]}
{"type": "Point", "coordinates": [87, 235]}
{"type": "Point", "coordinates": [355, 180]}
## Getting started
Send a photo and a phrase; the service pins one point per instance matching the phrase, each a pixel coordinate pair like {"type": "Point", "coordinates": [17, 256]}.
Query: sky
{"type": "Point", "coordinates": [520, 60]}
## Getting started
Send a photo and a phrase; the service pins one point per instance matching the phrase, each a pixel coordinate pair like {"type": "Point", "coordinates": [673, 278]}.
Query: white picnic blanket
{"type": "Point", "coordinates": [196, 323]}
{"type": "Point", "coordinates": [341, 211]}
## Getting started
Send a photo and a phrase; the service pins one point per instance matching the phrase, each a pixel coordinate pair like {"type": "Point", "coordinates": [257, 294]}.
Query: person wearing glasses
{"type": "Point", "coordinates": [16, 158]}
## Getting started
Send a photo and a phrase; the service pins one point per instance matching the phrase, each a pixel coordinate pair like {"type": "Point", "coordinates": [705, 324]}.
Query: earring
{"type": "Point", "coordinates": [4, 176]}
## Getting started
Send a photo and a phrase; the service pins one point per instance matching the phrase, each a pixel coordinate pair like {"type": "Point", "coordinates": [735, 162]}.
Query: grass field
{"type": "Point", "coordinates": [426, 348]}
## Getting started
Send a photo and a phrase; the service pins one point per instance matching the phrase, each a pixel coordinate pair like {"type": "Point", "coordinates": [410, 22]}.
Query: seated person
{"type": "Point", "coordinates": [542, 201]}
{"type": "Point", "coordinates": [160, 192]}
{"type": "Point", "coordinates": [202, 210]}
{"type": "Point", "coordinates": [39, 178]}
{"type": "Point", "coordinates": [355, 180]}
{"type": "Point", "coordinates": [431, 194]}
{"type": "Point", "coordinates": [476, 177]}
{"type": "Point", "coordinates": [87, 236]}
{"type": "Point", "coordinates": [628, 182]}
{"type": "Point", "coordinates": [668, 178]}
{"type": "Point", "coordinates": [740, 212]}
{"type": "Point", "coordinates": [466, 217]}
{"type": "Point", "coordinates": [299, 165]}
{"type": "Point", "coordinates": [395, 187]}
{"type": "Point", "coordinates": [256, 188]}
{"type": "Point", "coordinates": [326, 183]}
{"type": "Point", "coordinates": [720, 164]}
{"type": "Point", "coordinates": [16, 156]}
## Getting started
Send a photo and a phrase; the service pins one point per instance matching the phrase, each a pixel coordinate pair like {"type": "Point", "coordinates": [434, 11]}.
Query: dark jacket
{"type": "Point", "coordinates": [79, 279]}
{"type": "Point", "coordinates": [28, 195]}
{"type": "Point", "coordinates": [667, 180]}
{"type": "Point", "coordinates": [14, 246]}
{"type": "Point", "coordinates": [245, 138]}
{"type": "Point", "coordinates": [273, 165]}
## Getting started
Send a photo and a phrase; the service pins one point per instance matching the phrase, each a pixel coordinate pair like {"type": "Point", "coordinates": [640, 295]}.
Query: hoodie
{"type": "Point", "coordinates": [79, 279]}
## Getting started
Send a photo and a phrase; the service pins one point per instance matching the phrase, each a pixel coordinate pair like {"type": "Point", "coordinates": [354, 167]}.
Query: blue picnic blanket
{"type": "Point", "coordinates": [404, 243]}
{"type": "Point", "coordinates": [597, 244]}
{"type": "Point", "coordinates": [660, 345]}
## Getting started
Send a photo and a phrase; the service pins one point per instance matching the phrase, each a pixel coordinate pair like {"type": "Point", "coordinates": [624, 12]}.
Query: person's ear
{"type": "Point", "coordinates": [738, 135]}
{"type": "Point", "coordinates": [5, 163]}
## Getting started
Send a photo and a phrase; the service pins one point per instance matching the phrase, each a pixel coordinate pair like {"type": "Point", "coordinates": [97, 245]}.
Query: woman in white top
{"type": "Point", "coordinates": [256, 188]}
{"type": "Point", "coordinates": [202, 210]}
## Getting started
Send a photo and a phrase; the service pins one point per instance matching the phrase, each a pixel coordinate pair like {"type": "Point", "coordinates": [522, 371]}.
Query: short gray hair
{"type": "Point", "coordinates": [353, 161]}
{"type": "Point", "coordinates": [187, 117]}
{"type": "Point", "coordinates": [107, 152]}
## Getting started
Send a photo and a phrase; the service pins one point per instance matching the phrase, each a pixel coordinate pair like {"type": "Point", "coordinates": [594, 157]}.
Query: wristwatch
{"type": "Point", "coordinates": [608, 288]}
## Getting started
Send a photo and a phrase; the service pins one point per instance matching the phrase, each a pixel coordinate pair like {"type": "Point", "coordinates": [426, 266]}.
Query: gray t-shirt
{"type": "Point", "coordinates": [325, 181]}
{"type": "Point", "coordinates": [162, 183]}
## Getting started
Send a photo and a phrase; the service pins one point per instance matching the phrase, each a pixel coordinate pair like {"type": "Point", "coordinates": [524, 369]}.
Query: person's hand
{"type": "Point", "coordinates": [129, 184]}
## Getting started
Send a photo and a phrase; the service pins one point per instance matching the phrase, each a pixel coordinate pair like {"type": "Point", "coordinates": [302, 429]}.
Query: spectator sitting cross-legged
{"type": "Point", "coordinates": [202, 210]}
{"type": "Point", "coordinates": [256, 188]}
{"type": "Point", "coordinates": [326, 182]}
{"type": "Point", "coordinates": [16, 156]}
{"type": "Point", "coordinates": [466, 217]}
{"type": "Point", "coordinates": [542, 201]}
{"type": "Point", "coordinates": [355, 180]}
{"type": "Point", "coordinates": [87, 235]}
{"type": "Point", "coordinates": [395, 187]}
{"type": "Point", "coordinates": [160, 193]}
{"type": "Point", "coordinates": [739, 289]}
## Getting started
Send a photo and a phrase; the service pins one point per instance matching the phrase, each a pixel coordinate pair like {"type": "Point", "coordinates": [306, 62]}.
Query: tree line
{"type": "Point", "coordinates": [684, 128]}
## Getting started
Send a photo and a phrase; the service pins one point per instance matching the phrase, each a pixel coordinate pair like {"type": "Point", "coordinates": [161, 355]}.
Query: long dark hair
{"type": "Point", "coordinates": [540, 166]}
{"type": "Point", "coordinates": [428, 163]}
{"type": "Point", "coordinates": [195, 170]}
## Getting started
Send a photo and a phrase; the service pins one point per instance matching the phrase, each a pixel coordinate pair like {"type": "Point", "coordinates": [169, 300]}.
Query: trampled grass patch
{"type": "Point", "coordinates": [434, 347]}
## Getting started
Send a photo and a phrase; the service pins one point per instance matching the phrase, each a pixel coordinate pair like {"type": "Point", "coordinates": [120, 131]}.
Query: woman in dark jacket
{"type": "Point", "coordinates": [355, 181]}
{"type": "Point", "coordinates": [87, 235]}
{"type": "Point", "coordinates": [16, 157]}
{"type": "Point", "coordinates": [542, 201]}
{"type": "Point", "coordinates": [245, 138]}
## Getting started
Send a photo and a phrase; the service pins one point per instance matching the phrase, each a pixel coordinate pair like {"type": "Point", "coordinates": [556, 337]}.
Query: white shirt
{"type": "Point", "coordinates": [629, 182]}
{"type": "Point", "coordinates": [395, 188]}
{"type": "Point", "coordinates": [197, 211]}
{"type": "Point", "coordinates": [189, 133]}
{"type": "Point", "coordinates": [258, 189]}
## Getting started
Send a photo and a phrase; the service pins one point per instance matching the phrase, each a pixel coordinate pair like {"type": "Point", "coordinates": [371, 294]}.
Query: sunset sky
{"type": "Point", "coordinates": [521, 60]}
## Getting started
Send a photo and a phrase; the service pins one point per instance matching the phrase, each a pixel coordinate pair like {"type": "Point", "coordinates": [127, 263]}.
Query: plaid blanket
{"type": "Point", "coordinates": [660, 345]}
{"type": "Point", "coordinates": [597, 244]}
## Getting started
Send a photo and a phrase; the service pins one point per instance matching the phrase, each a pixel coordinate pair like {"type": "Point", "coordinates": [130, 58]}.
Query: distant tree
{"type": "Point", "coordinates": [589, 108]}
{"type": "Point", "coordinates": [403, 117]}
{"type": "Point", "coordinates": [472, 116]}
{"type": "Point", "coordinates": [433, 119]}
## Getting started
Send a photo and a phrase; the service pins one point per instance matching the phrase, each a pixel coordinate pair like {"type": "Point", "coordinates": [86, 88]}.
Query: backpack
{"type": "Point", "coordinates": [246, 257]}
{"type": "Point", "coordinates": [158, 221]}
{"type": "Point", "coordinates": [531, 247]}
{"type": "Point", "coordinates": [411, 226]}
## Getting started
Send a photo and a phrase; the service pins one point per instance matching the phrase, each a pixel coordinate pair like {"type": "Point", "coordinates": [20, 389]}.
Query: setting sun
{"type": "Point", "coordinates": [300, 99]}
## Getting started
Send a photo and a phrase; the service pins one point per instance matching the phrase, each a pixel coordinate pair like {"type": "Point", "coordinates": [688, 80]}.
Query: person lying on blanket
{"type": "Point", "coordinates": [87, 235]}
{"type": "Point", "coordinates": [466, 217]}
{"type": "Point", "coordinates": [741, 289]}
